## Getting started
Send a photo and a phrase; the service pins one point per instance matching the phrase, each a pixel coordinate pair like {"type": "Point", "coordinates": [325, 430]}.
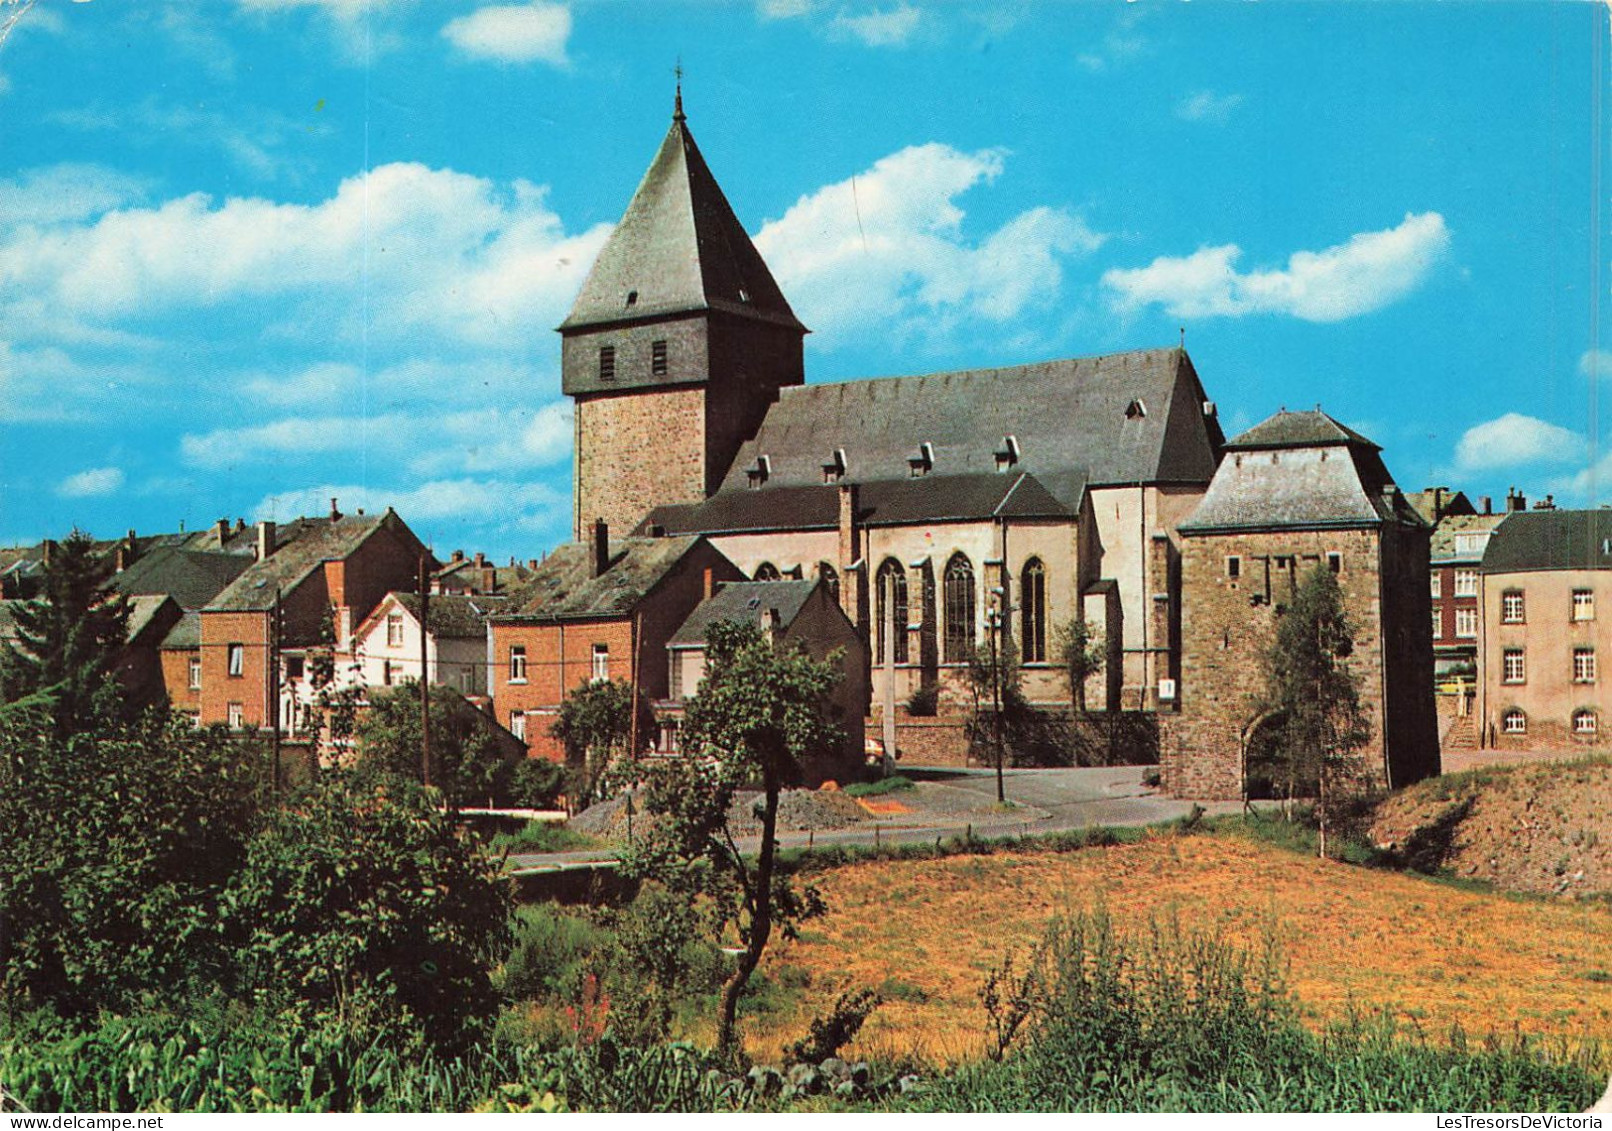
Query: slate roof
{"type": "Point", "coordinates": [455, 616]}
{"type": "Point", "coordinates": [1301, 470]}
{"type": "Point", "coordinates": [191, 577]}
{"type": "Point", "coordinates": [744, 601]}
{"type": "Point", "coordinates": [1129, 417]}
{"type": "Point", "coordinates": [313, 542]}
{"type": "Point", "coordinates": [143, 612]}
{"type": "Point", "coordinates": [679, 248]}
{"type": "Point", "coordinates": [1298, 430]}
{"type": "Point", "coordinates": [1553, 539]}
{"type": "Point", "coordinates": [563, 586]}
{"type": "Point", "coordinates": [186, 632]}
{"type": "Point", "coordinates": [893, 502]}
{"type": "Point", "coordinates": [1443, 547]}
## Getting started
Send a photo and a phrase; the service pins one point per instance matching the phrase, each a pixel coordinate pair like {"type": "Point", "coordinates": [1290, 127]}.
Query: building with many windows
{"type": "Point", "coordinates": [1546, 584]}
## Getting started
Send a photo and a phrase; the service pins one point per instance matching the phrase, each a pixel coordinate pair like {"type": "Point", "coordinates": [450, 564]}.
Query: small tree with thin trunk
{"type": "Point", "coordinates": [760, 713]}
{"type": "Point", "coordinates": [597, 728]}
{"type": "Point", "coordinates": [1318, 725]}
{"type": "Point", "coordinates": [1081, 654]}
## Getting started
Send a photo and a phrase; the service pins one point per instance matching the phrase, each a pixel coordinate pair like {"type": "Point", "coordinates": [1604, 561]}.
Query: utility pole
{"type": "Point", "coordinates": [425, 681]}
{"type": "Point", "coordinates": [274, 685]}
{"type": "Point", "coordinates": [993, 619]}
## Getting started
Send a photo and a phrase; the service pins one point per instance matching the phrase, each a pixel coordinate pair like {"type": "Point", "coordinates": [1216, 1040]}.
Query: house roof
{"type": "Point", "coordinates": [191, 577]}
{"type": "Point", "coordinates": [1298, 430]}
{"type": "Point", "coordinates": [315, 542]}
{"type": "Point", "coordinates": [1301, 470]}
{"type": "Point", "coordinates": [679, 248]}
{"type": "Point", "coordinates": [564, 587]}
{"type": "Point", "coordinates": [454, 616]}
{"type": "Point", "coordinates": [1436, 503]}
{"type": "Point", "coordinates": [186, 632]}
{"type": "Point", "coordinates": [1122, 418]}
{"type": "Point", "coordinates": [1550, 539]}
{"type": "Point", "coordinates": [893, 502]}
{"type": "Point", "coordinates": [744, 601]}
{"type": "Point", "coordinates": [144, 611]}
{"type": "Point", "coordinates": [1443, 546]}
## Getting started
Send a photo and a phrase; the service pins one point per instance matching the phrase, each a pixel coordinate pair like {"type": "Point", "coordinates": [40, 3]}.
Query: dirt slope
{"type": "Point", "coordinates": [1544, 828]}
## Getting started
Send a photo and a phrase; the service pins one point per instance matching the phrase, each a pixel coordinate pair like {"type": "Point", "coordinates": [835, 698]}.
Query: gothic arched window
{"type": "Point", "coordinates": [959, 596]}
{"type": "Point", "coordinates": [831, 580]}
{"type": "Point", "coordinates": [1033, 612]}
{"type": "Point", "coordinates": [891, 594]}
{"type": "Point", "coordinates": [766, 571]}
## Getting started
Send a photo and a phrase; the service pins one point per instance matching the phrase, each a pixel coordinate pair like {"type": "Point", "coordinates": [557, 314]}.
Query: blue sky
{"type": "Point", "coordinates": [254, 253]}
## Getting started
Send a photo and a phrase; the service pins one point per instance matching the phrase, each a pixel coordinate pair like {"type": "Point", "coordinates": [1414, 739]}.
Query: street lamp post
{"type": "Point", "coordinates": [993, 621]}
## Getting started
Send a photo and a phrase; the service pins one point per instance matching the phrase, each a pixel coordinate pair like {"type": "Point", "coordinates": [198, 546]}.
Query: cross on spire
{"type": "Point", "coordinates": [677, 107]}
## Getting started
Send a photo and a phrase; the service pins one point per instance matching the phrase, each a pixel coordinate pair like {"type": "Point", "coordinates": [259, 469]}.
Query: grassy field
{"type": "Point", "coordinates": [925, 933]}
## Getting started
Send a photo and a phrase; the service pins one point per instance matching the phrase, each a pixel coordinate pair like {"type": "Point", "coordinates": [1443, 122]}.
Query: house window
{"type": "Point", "coordinates": [1234, 567]}
{"type": "Point", "coordinates": [831, 580]}
{"type": "Point", "coordinates": [1335, 562]}
{"type": "Point", "coordinates": [1583, 604]}
{"type": "Point", "coordinates": [517, 724]}
{"type": "Point", "coordinates": [1583, 665]}
{"type": "Point", "coordinates": [394, 630]}
{"type": "Point", "coordinates": [1033, 612]}
{"type": "Point", "coordinates": [892, 595]}
{"type": "Point", "coordinates": [236, 715]}
{"type": "Point", "coordinates": [1584, 722]}
{"type": "Point", "coordinates": [386, 673]}
{"type": "Point", "coordinates": [1514, 722]}
{"type": "Point", "coordinates": [1511, 666]}
{"type": "Point", "coordinates": [237, 661]}
{"type": "Point", "coordinates": [1511, 607]}
{"type": "Point", "coordinates": [960, 607]}
{"type": "Point", "coordinates": [607, 363]}
{"type": "Point", "coordinates": [293, 667]}
{"type": "Point", "coordinates": [1466, 583]}
{"type": "Point", "coordinates": [601, 663]}
{"type": "Point", "coordinates": [657, 358]}
{"type": "Point", "coordinates": [517, 663]}
{"type": "Point", "coordinates": [766, 571]}
{"type": "Point", "coordinates": [1438, 622]}
{"type": "Point", "coordinates": [195, 673]}
{"type": "Point", "coordinates": [1466, 624]}
{"type": "Point", "coordinates": [668, 736]}
{"type": "Point", "coordinates": [1437, 586]}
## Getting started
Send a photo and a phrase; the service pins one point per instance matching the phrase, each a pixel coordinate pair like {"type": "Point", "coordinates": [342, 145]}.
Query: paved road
{"type": "Point", "coordinates": [946, 803]}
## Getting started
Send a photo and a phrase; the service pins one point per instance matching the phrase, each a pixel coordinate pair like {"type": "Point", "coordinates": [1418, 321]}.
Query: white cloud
{"type": "Point", "coordinates": [92, 483]}
{"type": "Point", "coordinates": [881, 28]}
{"type": "Point", "coordinates": [480, 502]}
{"type": "Point", "coordinates": [405, 246]}
{"type": "Point", "coordinates": [886, 249]}
{"type": "Point", "coordinates": [513, 33]}
{"type": "Point", "coordinates": [53, 194]}
{"type": "Point", "coordinates": [782, 9]}
{"type": "Point", "coordinates": [1121, 44]}
{"type": "Point", "coordinates": [1368, 272]}
{"type": "Point", "coordinates": [1207, 106]}
{"type": "Point", "coordinates": [1595, 363]}
{"type": "Point", "coordinates": [1514, 439]}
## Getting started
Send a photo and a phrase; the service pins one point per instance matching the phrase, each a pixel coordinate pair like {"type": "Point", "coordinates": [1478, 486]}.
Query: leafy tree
{"type": "Point", "coordinates": [361, 902]}
{"type": "Point", "coordinates": [115, 846]}
{"type": "Point", "coordinates": [596, 725]}
{"type": "Point", "coordinates": [470, 763]}
{"type": "Point", "coordinates": [69, 640]}
{"type": "Point", "coordinates": [1081, 654]}
{"type": "Point", "coordinates": [758, 715]}
{"type": "Point", "coordinates": [1317, 723]}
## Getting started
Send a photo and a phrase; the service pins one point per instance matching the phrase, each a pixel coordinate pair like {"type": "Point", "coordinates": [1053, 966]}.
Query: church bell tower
{"type": "Point", "coordinates": [675, 348]}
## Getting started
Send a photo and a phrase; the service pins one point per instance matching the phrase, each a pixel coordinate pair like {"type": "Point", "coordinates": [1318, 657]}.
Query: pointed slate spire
{"type": "Point", "coordinates": [679, 249]}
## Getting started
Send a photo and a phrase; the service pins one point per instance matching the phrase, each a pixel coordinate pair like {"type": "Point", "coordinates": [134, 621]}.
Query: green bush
{"type": "Point", "coordinates": [552, 952]}
{"type": "Point", "coordinates": [539, 836]}
{"type": "Point", "coordinates": [893, 784]}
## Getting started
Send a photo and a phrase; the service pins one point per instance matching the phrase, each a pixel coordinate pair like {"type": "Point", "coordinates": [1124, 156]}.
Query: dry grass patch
{"type": "Point", "coordinates": [928, 930]}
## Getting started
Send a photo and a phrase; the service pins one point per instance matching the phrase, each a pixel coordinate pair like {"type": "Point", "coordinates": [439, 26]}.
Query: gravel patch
{"type": "Point", "coordinates": [799, 810]}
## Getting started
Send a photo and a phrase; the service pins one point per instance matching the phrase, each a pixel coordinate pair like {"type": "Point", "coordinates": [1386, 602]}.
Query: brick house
{"type": "Point", "coordinates": [386, 647]}
{"type": "Point", "coordinates": [1546, 574]}
{"type": "Point", "coordinates": [595, 611]}
{"type": "Point", "coordinates": [1296, 491]}
{"type": "Point", "coordinates": [795, 614]}
{"type": "Point", "coordinates": [325, 580]}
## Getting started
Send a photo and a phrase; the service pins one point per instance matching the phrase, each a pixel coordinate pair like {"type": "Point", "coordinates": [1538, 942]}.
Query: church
{"type": "Point", "coordinates": [943, 512]}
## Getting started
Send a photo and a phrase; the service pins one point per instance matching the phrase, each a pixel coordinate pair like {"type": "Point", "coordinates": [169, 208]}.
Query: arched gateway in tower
{"type": "Point", "coordinates": [676, 346]}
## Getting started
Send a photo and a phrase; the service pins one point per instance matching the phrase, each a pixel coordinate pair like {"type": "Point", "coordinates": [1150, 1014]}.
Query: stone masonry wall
{"type": "Point", "coordinates": [636, 451]}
